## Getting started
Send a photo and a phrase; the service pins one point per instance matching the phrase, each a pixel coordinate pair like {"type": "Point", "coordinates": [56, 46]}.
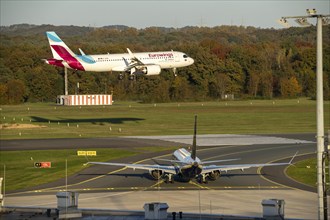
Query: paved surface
{"type": "Point", "coordinates": [81, 143]}
{"type": "Point", "coordinates": [230, 139]}
{"type": "Point", "coordinates": [298, 204]}
{"type": "Point", "coordinates": [233, 193]}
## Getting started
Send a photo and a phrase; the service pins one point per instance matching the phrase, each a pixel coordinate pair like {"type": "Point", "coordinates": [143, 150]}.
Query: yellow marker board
{"type": "Point", "coordinates": [86, 153]}
{"type": "Point", "coordinates": [81, 153]}
{"type": "Point", "coordinates": [91, 153]}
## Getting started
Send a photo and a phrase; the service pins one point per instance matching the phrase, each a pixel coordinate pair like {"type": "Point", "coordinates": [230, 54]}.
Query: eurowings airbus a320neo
{"type": "Point", "coordinates": [146, 63]}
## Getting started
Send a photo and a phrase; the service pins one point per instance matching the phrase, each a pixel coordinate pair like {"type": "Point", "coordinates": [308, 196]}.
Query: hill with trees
{"type": "Point", "coordinates": [246, 62]}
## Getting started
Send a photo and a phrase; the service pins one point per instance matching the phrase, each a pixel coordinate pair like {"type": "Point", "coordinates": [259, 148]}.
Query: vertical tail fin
{"type": "Point", "coordinates": [59, 49]}
{"type": "Point", "coordinates": [193, 152]}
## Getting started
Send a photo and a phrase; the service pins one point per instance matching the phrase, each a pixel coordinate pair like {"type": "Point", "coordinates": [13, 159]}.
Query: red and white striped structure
{"type": "Point", "coordinates": [97, 99]}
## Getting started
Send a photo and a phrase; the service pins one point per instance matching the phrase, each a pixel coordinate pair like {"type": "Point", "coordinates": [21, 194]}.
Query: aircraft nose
{"type": "Point", "coordinates": [192, 60]}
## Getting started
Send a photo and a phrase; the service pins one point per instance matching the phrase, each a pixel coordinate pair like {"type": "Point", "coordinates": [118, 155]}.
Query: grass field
{"type": "Point", "coordinates": [132, 118]}
{"type": "Point", "coordinates": [304, 172]}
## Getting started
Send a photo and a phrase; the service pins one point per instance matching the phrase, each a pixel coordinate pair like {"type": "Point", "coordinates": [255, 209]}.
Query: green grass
{"type": "Point", "coordinates": [132, 118]}
{"type": "Point", "coordinates": [21, 173]}
{"type": "Point", "coordinates": [304, 172]}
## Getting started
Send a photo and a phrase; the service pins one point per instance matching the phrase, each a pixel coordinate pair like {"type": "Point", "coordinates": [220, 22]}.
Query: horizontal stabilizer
{"type": "Point", "coordinates": [218, 161]}
{"type": "Point", "coordinates": [172, 161]}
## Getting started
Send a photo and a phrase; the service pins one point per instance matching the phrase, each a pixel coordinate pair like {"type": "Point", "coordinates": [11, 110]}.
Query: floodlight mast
{"type": "Point", "coordinates": [321, 19]}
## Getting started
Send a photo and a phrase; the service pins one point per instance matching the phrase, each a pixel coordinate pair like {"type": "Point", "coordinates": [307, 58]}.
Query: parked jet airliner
{"type": "Point", "coordinates": [187, 165]}
{"type": "Point", "coordinates": [147, 63]}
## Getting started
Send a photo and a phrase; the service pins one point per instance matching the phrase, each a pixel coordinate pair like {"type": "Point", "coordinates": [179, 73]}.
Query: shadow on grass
{"type": "Point", "coordinates": [100, 121]}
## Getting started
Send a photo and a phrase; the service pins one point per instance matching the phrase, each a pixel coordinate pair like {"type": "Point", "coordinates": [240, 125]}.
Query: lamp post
{"type": "Point", "coordinates": [321, 20]}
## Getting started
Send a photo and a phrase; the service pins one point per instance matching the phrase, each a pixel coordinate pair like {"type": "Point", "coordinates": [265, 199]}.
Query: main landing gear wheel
{"type": "Point", "coordinates": [120, 76]}
{"type": "Point", "coordinates": [203, 179]}
{"type": "Point", "coordinates": [131, 77]}
{"type": "Point", "coordinates": [169, 179]}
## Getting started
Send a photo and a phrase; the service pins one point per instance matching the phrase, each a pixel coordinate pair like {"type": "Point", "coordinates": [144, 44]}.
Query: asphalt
{"type": "Point", "coordinates": [81, 143]}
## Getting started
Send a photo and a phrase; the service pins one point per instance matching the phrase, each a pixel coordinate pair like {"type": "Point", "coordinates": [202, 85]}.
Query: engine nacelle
{"type": "Point", "coordinates": [214, 175]}
{"type": "Point", "coordinates": [152, 70]}
{"type": "Point", "coordinates": [156, 174]}
{"type": "Point", "coordinates": [149, 70]}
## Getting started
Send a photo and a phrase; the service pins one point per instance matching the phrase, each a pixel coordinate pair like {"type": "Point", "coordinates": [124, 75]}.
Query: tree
{"type": "Point", "coordinates": [179, 89]}
{"type": "Point", "coordinates": [290, 87]}
{"type": "Point", "coordinates": [15, 91]}
{"type": "Point", "coordinates": [3, 94]}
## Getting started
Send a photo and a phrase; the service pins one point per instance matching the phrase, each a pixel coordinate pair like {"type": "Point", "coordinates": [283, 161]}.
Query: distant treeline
{"type": "Point", "coordinates": [244, 62]}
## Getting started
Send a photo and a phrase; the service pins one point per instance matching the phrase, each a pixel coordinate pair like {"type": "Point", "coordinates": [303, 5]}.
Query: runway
{"type": "Point", "coordinates": [114, 185]}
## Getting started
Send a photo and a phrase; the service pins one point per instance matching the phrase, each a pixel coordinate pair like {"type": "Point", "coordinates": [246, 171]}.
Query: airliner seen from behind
{"type": "Point", "coordinates": [188, 166]}
{"type": "Point", "coordinates": [146, 63]}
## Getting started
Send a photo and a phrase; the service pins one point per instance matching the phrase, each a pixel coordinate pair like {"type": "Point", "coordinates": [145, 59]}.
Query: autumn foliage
{"type": "Point", "coordinates": [244, 62]}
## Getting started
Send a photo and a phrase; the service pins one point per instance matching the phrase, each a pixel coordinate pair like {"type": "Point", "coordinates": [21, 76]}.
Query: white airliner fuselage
{"type": "Point", "coordinates": [116, 62]}
{"type": "Point", "coordinates": [147, 63]}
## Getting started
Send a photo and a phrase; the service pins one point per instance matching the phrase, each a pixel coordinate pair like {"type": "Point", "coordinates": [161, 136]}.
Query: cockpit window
{"type": "Point", "coordinates": [185, 56]}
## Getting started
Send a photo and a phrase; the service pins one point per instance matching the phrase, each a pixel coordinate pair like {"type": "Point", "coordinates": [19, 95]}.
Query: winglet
{"type": "Point", "coordinates": [130, 52]}
{"type": "Point", "coordinates": [134, 58]}
{"type": "Point", "coordinates": [82, 52]}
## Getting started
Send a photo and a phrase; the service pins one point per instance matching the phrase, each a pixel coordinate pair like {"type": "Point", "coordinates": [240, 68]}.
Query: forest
{"type": "Point", "coordinates": [230, 61]}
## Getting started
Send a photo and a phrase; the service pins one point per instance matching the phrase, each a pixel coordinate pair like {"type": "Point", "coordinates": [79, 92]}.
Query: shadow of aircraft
{"type": "Point", "coordinates": [239, 174]}
{"type": "Point", "coordinates": [146, 175]}
{"type": "Point", "coordinates": [100, 121]}
{"type": "Point", "coordinates": [139, 175]}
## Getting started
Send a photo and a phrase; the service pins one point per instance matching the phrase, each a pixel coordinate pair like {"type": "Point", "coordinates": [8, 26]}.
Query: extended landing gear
{"type": "Point", "coordinates": [174, 71]}
{"type": "Point", "coordinates": [169, 178]}
{"type": "Point", "coordinates": [202, 179]}
{"type": "Point", "coordinates": [131, 76]}
{"type": "Point", "coordinates": [120, 76]}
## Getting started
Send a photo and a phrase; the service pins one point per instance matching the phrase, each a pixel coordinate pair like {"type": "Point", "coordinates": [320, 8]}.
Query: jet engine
{"type": "Point", "coordinates": [149, 70]}
{"type": "Point", "coordinates": [156, 174]}
{"type": "Point", "coordinates": [214, 175]}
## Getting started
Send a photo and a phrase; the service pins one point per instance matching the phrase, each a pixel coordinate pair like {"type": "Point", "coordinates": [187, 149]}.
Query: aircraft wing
{"type": "Point", "coordinates": [203, 162]}
{"type": "Point", "coordinates": [135, 62]}
{"type": "Point", "coordinates": [210, 168]}
{"type": "Point", "coordinates": [167, 169]}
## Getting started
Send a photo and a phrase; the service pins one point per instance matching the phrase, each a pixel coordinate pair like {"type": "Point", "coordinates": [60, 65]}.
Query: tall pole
{"type": "Point", "coordinates": [320, 118]}
{"type": "Point", "coordinates": [302, 20]}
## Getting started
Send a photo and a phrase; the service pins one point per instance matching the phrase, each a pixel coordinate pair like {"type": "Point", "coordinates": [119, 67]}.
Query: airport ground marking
{"type": "Point", "coordinates": [246, 151]}
{"type": "Point", "coordinates": [198, 185]}
{"type": "Point", "coordinates": [284, 186]}
{"type": "Point", "coordinates": [285, 173]}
